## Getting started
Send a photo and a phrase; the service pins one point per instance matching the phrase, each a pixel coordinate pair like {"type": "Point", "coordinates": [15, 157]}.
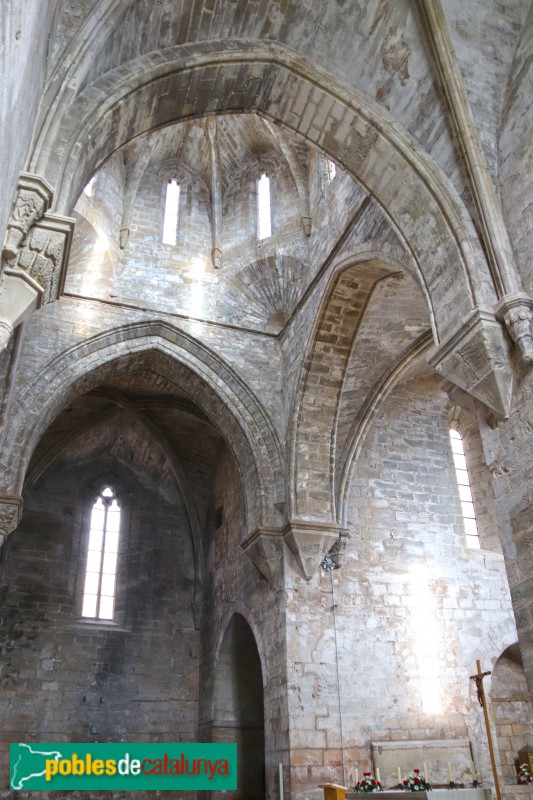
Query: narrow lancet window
{"type": "Point", "coordinates": [100, 575]}
{"type": "Point", "coordinates": [264, 225]}
{"type": "Point", "coordinates": [331, 168]}
{"type": "Point", "coordinates": [465, 494]}
{"type": "Point", "coordinates": [170, 221]}
{"type": "Point", "coordinates": [89, 189]}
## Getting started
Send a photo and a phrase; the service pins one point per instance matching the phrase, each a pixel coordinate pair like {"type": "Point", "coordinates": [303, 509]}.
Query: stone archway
{"type": "Point", "coordinates": [321, 385]}
{"type": "Point", "coordinates": [212, 384]}
{"type": "Point", "coordinates": [252, 77]}
{"type": "Point", "coordinates": [429, 217]}
{"type": "Point", "coordinates": [238, 708]}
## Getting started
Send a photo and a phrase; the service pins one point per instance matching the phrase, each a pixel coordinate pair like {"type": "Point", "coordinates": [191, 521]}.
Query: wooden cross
{"type": "Point", "coordinates": [478, 680]}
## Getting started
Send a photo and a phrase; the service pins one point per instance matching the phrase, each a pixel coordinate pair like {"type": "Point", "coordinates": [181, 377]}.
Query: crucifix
{"type": "Point", "coordinates": [478, 680]}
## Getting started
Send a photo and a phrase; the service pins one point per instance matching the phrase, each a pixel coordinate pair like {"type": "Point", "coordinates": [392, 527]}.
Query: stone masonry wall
{"type": "Point", "coordinates": [385, 646]}
{"type": "Point", "coordinates": [63, 679]}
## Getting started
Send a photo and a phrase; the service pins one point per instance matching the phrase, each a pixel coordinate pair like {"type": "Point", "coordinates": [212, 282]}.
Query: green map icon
{"type": "Point", "coordinates": [28, 762]}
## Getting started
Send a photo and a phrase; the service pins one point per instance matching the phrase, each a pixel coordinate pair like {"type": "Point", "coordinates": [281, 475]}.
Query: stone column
{"type": "Point", "coordinates": [508, 448]}
{"type": "Point", "coordinates": [313, 692]}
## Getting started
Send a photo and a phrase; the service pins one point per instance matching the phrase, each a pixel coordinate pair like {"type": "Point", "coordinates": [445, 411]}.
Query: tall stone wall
{"type": "Point", "coordinates": [382, 649]}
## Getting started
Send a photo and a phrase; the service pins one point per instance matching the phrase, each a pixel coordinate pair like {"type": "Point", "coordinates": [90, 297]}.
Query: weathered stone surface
{"type": "Point", "coordinates": [254, 398]}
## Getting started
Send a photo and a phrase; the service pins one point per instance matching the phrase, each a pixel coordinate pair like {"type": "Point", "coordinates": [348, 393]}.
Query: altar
{"type": "Point", "coordinates": [435, 794]}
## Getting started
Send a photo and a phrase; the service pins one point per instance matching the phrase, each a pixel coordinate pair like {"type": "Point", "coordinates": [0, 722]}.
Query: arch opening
{"type": "Point", "coordinates": [238, 707]}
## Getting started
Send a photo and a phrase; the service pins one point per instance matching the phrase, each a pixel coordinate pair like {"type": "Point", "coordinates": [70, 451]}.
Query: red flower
{"type": "Point", "coordinates": [416, 771]}
{"type": "Point", "coordinates": [405, 783]}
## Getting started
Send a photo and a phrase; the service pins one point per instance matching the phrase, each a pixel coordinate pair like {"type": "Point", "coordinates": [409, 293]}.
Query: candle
{"type": "Point", "coordinates": [399, 775]}
{"type": "Point", "coordinates": [426, 774]}
{"type": "Point", "coordinates": [377, 775]}
{"type": "Point", "coordinates": [473, 771]}
{"type": "Point", "coordinates": [450, 776]}
{"type": "Point", "coordinates": [357, 776]}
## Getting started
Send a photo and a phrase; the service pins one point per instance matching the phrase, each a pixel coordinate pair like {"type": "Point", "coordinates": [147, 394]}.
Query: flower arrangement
{"type": "Point", "coordinates": [368, 784]}
{"type": "Point", "coordinates": [415, 782]}
{"type": "Point", "coordinates": [524, 774]}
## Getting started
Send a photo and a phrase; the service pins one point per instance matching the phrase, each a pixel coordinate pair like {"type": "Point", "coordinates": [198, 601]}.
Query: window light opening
{"type": "Point", "coordinates": [100, 574]}
{"type": "Point", "coordinates": [170, 221]}
{"type": "Point", "coordinates": [264, 224]}
{"type": "Point", "coordinates": [465, 493]}
{"type": "Point", "coordinates": [89, 189]}
{"type": "Point", "coordinates": [331, 168]}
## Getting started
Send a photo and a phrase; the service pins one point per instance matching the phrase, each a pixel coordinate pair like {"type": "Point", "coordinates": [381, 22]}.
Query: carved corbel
{"type": "Point", "coordinates": [309, 542]}
{"type": "Point", "coordinates": [335, 556]}
{"type": "Point", "coordinates": [38, 273]}
{"type": "Point", "coordinates": [476, 358]}
{"type": "Point", "coordinates": [264, 548]}
{"type": "Point", "coordinates": [10, 515]}
{"type": "Point", "coordinates": [32, 198]}
{"type": "Point", "coordinates": [515, 311]}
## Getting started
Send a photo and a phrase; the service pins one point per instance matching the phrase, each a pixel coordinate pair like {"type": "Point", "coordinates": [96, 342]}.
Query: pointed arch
{"type": "Point", "coordinates": [416, 197]}
{"type": "Point", "coordinates": [312, 457]}
{"type": "Point", "coordinates": [210, 382]}
{"type": "Point", "coordinates": [238, 704]}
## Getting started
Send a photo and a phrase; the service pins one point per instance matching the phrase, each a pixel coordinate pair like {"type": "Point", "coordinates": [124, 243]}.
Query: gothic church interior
{"type": "Point", "coordinates": [266, 408]}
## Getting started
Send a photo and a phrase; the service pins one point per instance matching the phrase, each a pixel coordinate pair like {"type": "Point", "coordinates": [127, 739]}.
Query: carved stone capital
{"type": "Point", "coordinates": [38, 273]}
{"type": "Point", "coordinates": [309, 542]}
{"type": "Point", "coordinates": [476, 358]}
{"type": "Point", "coordinates": [32, 198]}
{"type": "Point", "coordinates": [264, 548]}
{"type": "Point", "coordinates": [10, 515]}
{"type": "Point", "coordinates": [44, 254]}
{"type": "Point", "coordinates": [515, 311]}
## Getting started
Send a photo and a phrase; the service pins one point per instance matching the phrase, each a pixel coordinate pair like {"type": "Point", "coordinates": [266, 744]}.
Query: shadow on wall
{"type": "Point", "coordinates": [238, 711]}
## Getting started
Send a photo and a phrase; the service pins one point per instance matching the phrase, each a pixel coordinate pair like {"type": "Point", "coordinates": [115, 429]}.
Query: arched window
{"type": "Point", "coordinates": [89, 188]}
{"type": "Point", "coordinates": [100, 574]}
{"type": "Point", "coordinates": [264, 224]}
{"type": "Point", "coordinates": [331, 169]}
{"type": "Point", "coordinates": [465, 494]}
{"type": "Point", "coordinates": [170, 220]}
